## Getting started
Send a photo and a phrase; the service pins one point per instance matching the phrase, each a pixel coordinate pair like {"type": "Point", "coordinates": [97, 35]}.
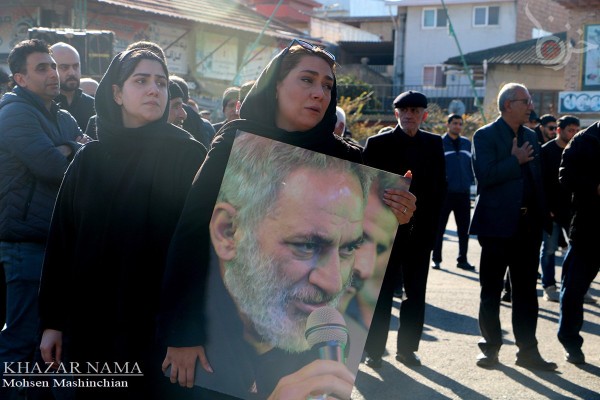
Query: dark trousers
{"type": "Point", "coordinates": [520, 253]}
{"type": "Point", "coordinates": [413, 265]}
{"type": "Point", "coordinates": [460, 204]}
{"type": "Point", "coordinates": [580, 267]}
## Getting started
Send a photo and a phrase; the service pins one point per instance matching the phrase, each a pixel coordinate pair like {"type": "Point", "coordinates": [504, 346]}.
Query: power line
{"type": "Point", "coordinates": [251, 48]}
{"type": "Point", "coordinates": [464, 61]}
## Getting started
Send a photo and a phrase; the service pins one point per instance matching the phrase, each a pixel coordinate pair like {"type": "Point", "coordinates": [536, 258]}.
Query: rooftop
{"type": "Point", "coordinates": [546, 50]}
{"type": "Point", "coordinates": [212, 12]}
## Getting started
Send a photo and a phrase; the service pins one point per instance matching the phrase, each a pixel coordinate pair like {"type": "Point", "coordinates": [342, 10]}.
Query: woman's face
{"type": "Point", "coordinates": [144, 95]}
{"type": "Point", "coordinates": [304, 94]}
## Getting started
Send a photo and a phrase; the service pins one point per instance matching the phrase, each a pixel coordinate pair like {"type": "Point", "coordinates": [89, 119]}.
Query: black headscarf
{"type": "Point", "coordinates": [260, 105]}
{"type": "Point", "coordinates": [109, 116]}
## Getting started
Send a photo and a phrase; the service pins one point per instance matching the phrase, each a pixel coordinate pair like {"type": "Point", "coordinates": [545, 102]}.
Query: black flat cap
{"type": "Point", "coordinates": [174, 90]}
{"type": "Point", "coordinates": [412, 98]}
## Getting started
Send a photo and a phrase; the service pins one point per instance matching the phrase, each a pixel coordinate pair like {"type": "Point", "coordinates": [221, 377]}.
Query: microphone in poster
{"type": "Point", "coordinates": [326, 332]}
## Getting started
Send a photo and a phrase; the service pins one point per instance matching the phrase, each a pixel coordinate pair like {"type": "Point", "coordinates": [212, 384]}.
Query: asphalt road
{"type": "Point", "coordinates": [449, 346]}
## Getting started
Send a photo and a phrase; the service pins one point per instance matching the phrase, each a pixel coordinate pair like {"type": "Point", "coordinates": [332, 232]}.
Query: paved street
{"type": "Point", "coordinates": [449, 347]}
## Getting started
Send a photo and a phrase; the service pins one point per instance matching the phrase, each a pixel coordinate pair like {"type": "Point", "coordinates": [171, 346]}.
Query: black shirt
{"type": "Point", "coordinates": [81, 108]}
{"type": "Point", "coordinates": [528, 185]}
{"type": "Point", "coordinates": [395, 151]}
{"type": "Point", "coordinates": [199, 128]}
{"type": "Point", "coordinates": [238, 370]}
{"type": "Point", "coordinates": [558, 198]}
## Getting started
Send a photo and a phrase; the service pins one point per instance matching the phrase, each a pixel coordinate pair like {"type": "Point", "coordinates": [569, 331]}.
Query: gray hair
{"type": "Point", "coordinates": [340, 114]}
{"type": "Point", "coordinates": [509, 92]}
{"type": "Point", "coordinates": [258, 166]}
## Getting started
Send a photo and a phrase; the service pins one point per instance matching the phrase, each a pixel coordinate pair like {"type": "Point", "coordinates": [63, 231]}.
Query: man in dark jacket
{"type": "Point", "coordinates": [459, 174]}
{"type": "Point", "coordinates": [200, 128]}
{"type": "Point", "coordinates": [37, 142]}
{"type": "Point", "coordinates": [408, 148]}
{"type": "Point", "coordinates": [508, 219]}
{"type": "Point", "coordinates": [546, 130]}
{"type": "Point", "coordinates": [558, 199]}
{"type": "Point", "coordinates": [580, 173]}
{"type": "Point", "coordinates": [231, 98]}
{"type": "Point", "coordinates": [72, 98]}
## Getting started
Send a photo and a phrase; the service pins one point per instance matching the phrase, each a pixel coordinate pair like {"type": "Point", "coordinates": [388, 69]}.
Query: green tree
{"type": "Point", "coordinates": [349, 86]}
{"type": "Point", "coordinates": [437, 118]}
{"type": "Point", "coordinates": [353, 106]}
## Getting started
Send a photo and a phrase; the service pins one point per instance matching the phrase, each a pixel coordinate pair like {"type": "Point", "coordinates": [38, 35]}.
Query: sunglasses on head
{"type": "Point", "coordinates": [309, 46]}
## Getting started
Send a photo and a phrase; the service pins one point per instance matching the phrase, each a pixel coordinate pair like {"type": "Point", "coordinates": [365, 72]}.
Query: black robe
{"type": "Point", "coordinates": [116, 210]}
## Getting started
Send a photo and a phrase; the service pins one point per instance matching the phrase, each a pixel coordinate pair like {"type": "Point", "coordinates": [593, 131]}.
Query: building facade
{"type": "Point", "coordinates": [213, 44]}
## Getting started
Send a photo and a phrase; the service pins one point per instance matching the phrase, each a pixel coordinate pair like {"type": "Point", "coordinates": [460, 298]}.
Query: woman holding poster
{"type": "Point", "coordinates": [294, 102]}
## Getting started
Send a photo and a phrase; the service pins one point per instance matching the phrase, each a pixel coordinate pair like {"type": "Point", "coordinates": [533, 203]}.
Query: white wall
{"type": "Point", "coordinates": [430, 3]}
{"type": "Point", "coordinates": [333, 31]}
{"type": "Point", "coordinates": [370, 8]}
{"type": "Point", "coordinates": [357, 8]}
{"type": "Point", "coordinates": [433, 46]}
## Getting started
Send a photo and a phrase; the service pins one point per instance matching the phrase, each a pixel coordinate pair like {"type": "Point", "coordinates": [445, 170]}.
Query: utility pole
{"type": "Point", "coordinates": [465, 66]}
{"type": "Point", "coordinates": [250, 49]}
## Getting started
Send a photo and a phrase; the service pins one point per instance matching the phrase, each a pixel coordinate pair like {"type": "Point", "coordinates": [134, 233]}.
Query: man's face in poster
{"type": "Point", "coordinates": [299, 257]}
{"type": "Point", "coordinates": [379, 229]}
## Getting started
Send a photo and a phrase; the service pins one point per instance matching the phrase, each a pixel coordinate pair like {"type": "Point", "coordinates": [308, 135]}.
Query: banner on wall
{"type": "Point", "coordinates": [579, 102]}
{"type": "Point", "coordinates": [15, 23]}
{"type": "Point", "coordinates": [174, 41]}
{"type": "Point", "coordinates": [256, 61]}
{"type": "Point", "coordinates": [128, 31]}
{"type": "Point", "coordinates": [216, 56]}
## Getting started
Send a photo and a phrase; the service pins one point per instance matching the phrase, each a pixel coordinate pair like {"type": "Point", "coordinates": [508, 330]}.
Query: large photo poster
{"type": "Point", "coordinates": [300, 244]}
{"type": "Point", "coordinates": [591, 58]}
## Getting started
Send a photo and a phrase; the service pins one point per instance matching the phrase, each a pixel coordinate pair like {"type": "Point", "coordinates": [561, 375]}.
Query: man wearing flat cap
{"type": "Point", "coordinates": [408, 148]}
{"type": "Point", "coordinates": [177, 114]}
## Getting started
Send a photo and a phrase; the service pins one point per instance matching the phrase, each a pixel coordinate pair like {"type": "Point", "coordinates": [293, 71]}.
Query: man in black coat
{"type": "Point", "coordinates": [580, 173]}
{"type": "Point", "coordinates": [71, 97]}
{"type": "Point", "coordinates": [200, 128]}
{"type": "Point", "coordinates": [508, 219]}
{"type": "Point", "coordinates": [558, 199]}
{"type": "Point", "coordinates": [408, 148]}
{"type": "Point", "coordinates": [231, 98]}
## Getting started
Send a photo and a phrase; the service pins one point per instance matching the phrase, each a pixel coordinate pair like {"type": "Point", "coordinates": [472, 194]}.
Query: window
{"type": "Point", "coordinates": [433, 76]}
{"type": "Point", "coordinates": [545, 102]}
{"type": "Point", "coordinates": [434, 18]}
{"type": "Point", "coordinates": [484, 16]}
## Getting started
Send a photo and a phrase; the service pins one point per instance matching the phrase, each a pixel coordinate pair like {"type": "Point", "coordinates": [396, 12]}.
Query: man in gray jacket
{"type": "Point", "coordinates": [37, 142]}
{"type": "Point", "coordinates": [509, 216]}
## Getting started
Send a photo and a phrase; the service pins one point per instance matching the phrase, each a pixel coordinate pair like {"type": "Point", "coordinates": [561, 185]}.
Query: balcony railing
{"type": "Point", "coordinates": [384, 95]}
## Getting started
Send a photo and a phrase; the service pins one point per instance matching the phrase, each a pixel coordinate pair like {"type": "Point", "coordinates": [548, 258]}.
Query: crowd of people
{"type": "Point", "coordinates": [135, 232]}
